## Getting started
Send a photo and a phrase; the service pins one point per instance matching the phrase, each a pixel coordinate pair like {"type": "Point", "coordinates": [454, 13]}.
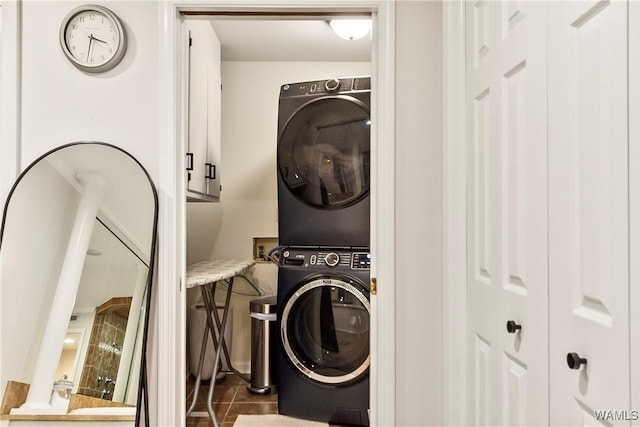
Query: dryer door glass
{"type": "Point", "coordinates": [324, 151]}
{"type": "Point", "coordinates": [326, 330]}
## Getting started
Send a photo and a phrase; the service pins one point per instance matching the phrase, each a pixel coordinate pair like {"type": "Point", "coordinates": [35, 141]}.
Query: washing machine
{"type": "Point", "coordinates": [324, 162]}
{"type": "Point", "coordinates": [322, 360]}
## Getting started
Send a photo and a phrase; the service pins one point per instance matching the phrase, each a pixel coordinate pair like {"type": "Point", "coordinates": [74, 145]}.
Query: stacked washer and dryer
{"type": "Point", "coordinates": [322, 359]}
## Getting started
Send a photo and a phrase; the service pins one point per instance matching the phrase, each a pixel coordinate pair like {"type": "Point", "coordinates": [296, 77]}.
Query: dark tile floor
{"type": "Point", "coordinates": [230, 399]}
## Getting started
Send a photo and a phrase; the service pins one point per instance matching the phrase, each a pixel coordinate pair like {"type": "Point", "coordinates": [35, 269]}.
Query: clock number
{"type": "Point", "coordinates": [82, 19]}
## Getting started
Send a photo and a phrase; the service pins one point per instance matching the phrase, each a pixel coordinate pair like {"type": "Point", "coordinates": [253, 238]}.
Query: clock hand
{"type": "Point", "coordinates": [89, 47]}
{"type": "Point", "coordinates": [98, 40]}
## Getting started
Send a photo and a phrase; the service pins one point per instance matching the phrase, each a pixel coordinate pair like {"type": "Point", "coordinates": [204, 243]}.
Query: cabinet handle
{"type": "Point", "coordinates": [574, 360]}
{"type": "Point", "coordinates": [211, 171]}
{"type": "Point", "coordinates": [189, 161]}
{"type": "Point", "coordinates": [512, 327]}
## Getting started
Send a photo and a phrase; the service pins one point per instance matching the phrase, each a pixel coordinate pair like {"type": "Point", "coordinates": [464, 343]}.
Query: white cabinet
{"type": "Point", "coordinates": [204, 112]}
{"type": "Point", "coordinates": [548, 213]}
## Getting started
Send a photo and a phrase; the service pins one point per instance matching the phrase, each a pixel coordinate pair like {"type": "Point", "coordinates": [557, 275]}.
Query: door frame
{"type": "Point", "coordinates": [454, 142]}
{"type": "Point", "coordinates": [167, 361]}
{"type": "Point", "coordinates": [634, 201]}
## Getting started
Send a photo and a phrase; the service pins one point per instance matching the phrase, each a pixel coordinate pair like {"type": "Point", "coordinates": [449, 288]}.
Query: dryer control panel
{"type": "Point", "coordinates": [338, 258]}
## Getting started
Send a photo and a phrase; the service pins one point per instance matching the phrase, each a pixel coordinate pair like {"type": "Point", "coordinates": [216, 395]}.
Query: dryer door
{"type": "Point", "coordinates": [325, 330]}
{"type": "Point", "coordinates": [324, 151]}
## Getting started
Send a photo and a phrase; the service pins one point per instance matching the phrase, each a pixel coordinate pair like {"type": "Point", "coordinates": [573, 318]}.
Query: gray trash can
{"type": "Point", "coordinates": [263, 338]}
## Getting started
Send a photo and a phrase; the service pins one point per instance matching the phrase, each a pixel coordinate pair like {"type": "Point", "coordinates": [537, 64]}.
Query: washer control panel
{"type": "Point", "coordinates": [329, 86]}
{"type": "Point", "coordinates": [331, 258]}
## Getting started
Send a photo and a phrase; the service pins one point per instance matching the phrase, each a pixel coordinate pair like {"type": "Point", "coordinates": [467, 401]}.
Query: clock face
{"type": "Point", "coordinates": [93, 38]}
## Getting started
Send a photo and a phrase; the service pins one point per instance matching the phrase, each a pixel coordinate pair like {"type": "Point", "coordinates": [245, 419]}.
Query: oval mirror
{"type": "Point", "coordinates": [77, 247]}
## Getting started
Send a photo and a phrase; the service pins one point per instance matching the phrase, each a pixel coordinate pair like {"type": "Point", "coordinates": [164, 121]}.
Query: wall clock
{"type": "Point", "coordinates": [93, 38]}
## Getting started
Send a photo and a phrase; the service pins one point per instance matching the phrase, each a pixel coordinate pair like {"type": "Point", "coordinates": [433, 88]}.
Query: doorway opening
{"type": "Point", "coordinates": [382, 72]}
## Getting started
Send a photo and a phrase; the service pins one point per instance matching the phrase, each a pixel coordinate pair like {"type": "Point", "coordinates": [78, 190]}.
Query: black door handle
{"type": "Point", "coordinates": [512, 327]}
{"type": "Point", "coordinates": [574, 360]}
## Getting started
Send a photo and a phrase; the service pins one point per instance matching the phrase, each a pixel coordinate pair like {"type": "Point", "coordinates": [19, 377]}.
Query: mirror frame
{"type": "Point", "coordinates": [142, 398]}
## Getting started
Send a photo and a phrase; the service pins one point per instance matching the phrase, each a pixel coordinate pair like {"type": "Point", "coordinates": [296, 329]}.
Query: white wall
{"type": "Point", "coordinates": [418, 213]}
{"type": "Point", "coordinates": [61, 104]}
{"type": "Point", "coordinates": [248, 206]}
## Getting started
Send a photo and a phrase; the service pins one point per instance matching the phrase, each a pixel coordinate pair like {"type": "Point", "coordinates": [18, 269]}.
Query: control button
{"type": "Point", "coordinates": [285, 87]}
{"type": "Point", "coordinates": [332, 85]}
{"type": "Point", "coordinates": [313, 87]}
{"type": "Point", "coordinates": [285, 254]}
{"type": "Point", "coordinates": [332, 259]}
{"type": "Point", "coordinates": [313, 259]}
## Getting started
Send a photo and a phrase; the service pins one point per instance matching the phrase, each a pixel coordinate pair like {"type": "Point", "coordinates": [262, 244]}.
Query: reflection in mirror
{"type": "Point", "coordinates": [110, 300]}
{"type": "Point", "coordinates": [76, 251]}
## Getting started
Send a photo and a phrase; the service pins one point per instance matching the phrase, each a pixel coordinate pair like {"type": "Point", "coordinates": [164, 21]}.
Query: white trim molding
{"type": "Point", "coordinates": [454, 215]}
{"type": "Point", "coordinates": [634, 201]}
{"type": "Point", "coordinates": [10, 89]}
{"type": "Point", "coordinates": [383, 305]}
{"type": "Point", "coordinates": [167, 369]}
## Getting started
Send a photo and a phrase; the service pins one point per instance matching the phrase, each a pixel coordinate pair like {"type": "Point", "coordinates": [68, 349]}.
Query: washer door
{"type": "Point", "coordinates": [325, 330]}
{"type": "Point", "coordinates": [324, 151]}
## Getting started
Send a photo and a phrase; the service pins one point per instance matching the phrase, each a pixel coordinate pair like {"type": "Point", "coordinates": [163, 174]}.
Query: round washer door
{"type": "Point", "coordinates": [324, 152]}
{"type": "Point", "coordinates": [325, 330]}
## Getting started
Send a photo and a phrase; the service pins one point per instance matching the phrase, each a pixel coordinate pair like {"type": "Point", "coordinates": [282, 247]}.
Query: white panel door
{"type": "Point", "coordinates": [482, 241]}
{"type": "Point", "coordinates": [588, 211]}
{"type": "Point", "coordinates": [507, 212]}
{"type": "Point", "coordinates": [521, 80]}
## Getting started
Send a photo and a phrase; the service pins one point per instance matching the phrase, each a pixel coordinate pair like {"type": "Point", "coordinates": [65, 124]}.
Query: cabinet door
{"type": "Point", "coordinates": [507, 219]}
{"type": "Point", "coordinates": [204, 109]}
{"type": "Point", "coordinates": [214, 126]}
{"type": "Point", "coordinates": [588, 211]}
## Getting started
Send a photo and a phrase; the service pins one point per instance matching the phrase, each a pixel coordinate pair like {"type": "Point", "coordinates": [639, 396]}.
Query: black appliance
{"type": "Point", "coordinates": [322, 360]}
{"type": "Point", "coordinates": [324, 162]}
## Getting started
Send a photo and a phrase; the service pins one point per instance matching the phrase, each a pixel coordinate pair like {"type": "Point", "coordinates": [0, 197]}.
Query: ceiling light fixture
{"type": "Point", "coordinates": [351, 29]}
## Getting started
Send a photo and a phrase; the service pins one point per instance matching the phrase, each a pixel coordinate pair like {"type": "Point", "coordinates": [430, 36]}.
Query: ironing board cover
{"type": "Point", "coordinates": [205, 272]}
